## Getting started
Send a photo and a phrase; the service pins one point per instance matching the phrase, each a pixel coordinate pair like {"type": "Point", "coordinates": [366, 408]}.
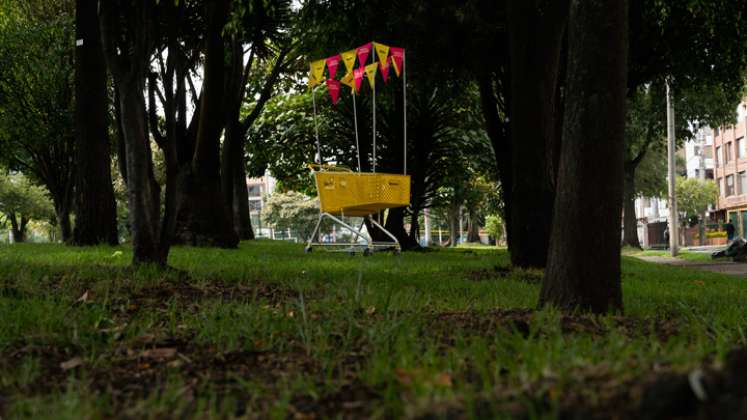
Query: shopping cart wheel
{"type": "Point", "coordinates": [367, 252]}
{"type": "Point", "coordinates": [397, 252]}
{"type": "Point", "coordinates": [307, 249]}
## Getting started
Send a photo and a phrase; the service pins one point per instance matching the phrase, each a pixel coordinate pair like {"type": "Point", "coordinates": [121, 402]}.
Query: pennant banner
{"type": "Point", "coordinates": [332, 63]}
{"type": "Point", "coordinates": [348, 57]}
{"type": "Point", "coordinates": [358, 77]}
{"type": "Point", "coordinates": [363, 52]}
{"type": "Point", "coordinates": [384, 67]}
{"type": "Point", "coordinates": [333, 86]}
{"type": "Point", "coordinates": [371, 73]}
{"type": "Point", "coordinates": [382, 51]}
{"type": "Point", "coordinates": [398, 57]}
{"type": "Point", "coordinates": [317, 70]}
{"type": "Point", "coordinates": [348, 81]}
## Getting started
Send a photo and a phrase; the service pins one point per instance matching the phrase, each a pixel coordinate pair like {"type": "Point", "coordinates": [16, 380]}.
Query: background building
{"type": "Point", "coordinates": [730, 162]}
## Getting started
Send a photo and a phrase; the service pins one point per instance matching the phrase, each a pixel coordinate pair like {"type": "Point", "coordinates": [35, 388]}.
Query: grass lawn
{"type": "Point", "coordinates": [267, 331]}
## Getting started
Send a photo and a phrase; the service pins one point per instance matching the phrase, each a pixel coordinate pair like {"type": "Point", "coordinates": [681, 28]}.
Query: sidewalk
{"type": "Point", "coordinates": [716, 266]}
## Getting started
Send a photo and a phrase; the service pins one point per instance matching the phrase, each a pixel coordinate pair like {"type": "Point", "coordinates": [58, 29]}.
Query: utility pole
{"type": "Point", "coordinates": [671, 163]}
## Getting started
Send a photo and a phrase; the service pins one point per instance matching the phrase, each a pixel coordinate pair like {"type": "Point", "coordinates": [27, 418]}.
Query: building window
{"type": "Point", "coordinates": [715, 131]}
{"type": "Point", "coordinates": [729, 185]}
{"type": "Point", "coordinates": [742, 182]}
{"type": "Point", "coordinates": [709, 174]}
{"type": "Point", "coordinates": [254, 191]}
{"type": "Point", "coordinates": [741, 148]}
{"type": "Point", "coordinates": [697, 173]}
{"type": "Point", "coordinates": [728, 155]}
{"type": "Point", "coordinates": [718, 156]}
{"type": "Point", "coordinates": [720, 184]}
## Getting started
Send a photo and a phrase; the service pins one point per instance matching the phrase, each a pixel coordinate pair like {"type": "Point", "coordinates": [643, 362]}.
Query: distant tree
{"type": "Point", "coordinates": [694, 195]}
{"type": "Point", "coordinates": [21, 202]}
{"type": "Point", "coordinates": [494, 226]}
{"type": "Point", "coordinates": [291, 210]}
{"type": "Point", "coordinates": [37, 100]}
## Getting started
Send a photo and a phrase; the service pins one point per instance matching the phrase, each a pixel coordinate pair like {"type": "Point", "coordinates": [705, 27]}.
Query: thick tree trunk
{"type": "Point", "coordinates": [143, 190]}
{"type": "Point", "coordinates": [395, 224]}
{"type": "Point", "coordinates": [583, 270]}
{"type": "Point", "coordinates": [95, 208]}
{"type": "Point", "coordinates": [208, 219]}
{"type": "Point", "coordinates": [536, 30]}
{"type": "Point", "coordinates": [630, 222]}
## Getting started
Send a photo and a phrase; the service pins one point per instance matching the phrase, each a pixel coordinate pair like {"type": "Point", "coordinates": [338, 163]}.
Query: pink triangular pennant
{"type": "Point", "coordinates": [398, 55]}
{"type": "Point", "coordinates": [358, 75]}
{"type": "Point", "coordinates": [363, 52]}
{"type": "Point", "coordinates": [332, 63]}
{"type": "Point", "coordinates": [333, 86]}
{"type": "Point", "coordinates": [384, 68]}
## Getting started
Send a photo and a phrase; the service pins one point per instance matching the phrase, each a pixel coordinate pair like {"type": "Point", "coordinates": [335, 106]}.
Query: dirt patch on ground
{"type": "Point", "coordinates": [131, 374]}
{"type": "Point", "coordinates": [521, 320]}
{"type": "Point", "coordinates": [500, 272]}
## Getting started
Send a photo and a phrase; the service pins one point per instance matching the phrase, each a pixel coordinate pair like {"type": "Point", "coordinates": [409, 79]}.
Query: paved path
{"type": "Point", "coordinates": [717, 266]}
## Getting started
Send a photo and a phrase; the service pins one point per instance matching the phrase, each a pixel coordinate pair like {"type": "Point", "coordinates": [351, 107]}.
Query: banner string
{"type": "Point", "coordinates": [355, 122]}
{"type": "Point", "coordinates": [316, 128]}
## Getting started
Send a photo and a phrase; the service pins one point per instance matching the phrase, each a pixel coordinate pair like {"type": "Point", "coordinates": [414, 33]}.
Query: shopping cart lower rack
{"type": "Point", "coordinates": [344, 193]}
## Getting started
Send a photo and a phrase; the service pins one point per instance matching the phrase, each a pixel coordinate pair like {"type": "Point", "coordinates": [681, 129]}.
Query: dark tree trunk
{"type": "Point", "coordinates": [143, 190]}
{"type": "Point", "coordinates": [62, 214]}
{"type": "Point", "coordinates": [18, 229]}
{"type": "Point", "coordinates": [452, 213]}
{"type": "Point", "coordinates": [131, 32]}
{"type": "Point", "coordinates": [630, 222]}
{"type": "Point", "coordinates": [500, 140]}
{"type": "Point", "coordinates": [242, 217]}
{"type": "Point", "coordinates": [536, 30]}
{"type": "Point", "coordinates": [208, 219]}
{"type": "Point", "coordinates": [583, 270]}
{"type": "Point", "coordinates": [95, 208]}
{"type": "Point", "coordinates": [395, 224]}
{"type": "Point", "coordinates": [121, 155]}
{"type": "Point", "coordinates": [473, 228]}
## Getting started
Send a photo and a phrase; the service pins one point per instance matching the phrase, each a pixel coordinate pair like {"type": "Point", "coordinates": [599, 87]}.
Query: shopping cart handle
{"type": "Point", "coordinates": [327, 167]}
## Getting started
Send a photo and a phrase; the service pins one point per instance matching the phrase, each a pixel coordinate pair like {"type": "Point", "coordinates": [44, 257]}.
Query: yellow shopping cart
{"type": "Point", "coordinates": [343, 192]}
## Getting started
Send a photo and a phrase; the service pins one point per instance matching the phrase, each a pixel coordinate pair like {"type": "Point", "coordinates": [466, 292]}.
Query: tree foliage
{"type": "Point", "coordinates": [291, 210]}
{"type": "Point", "coordinates": [695, 195]}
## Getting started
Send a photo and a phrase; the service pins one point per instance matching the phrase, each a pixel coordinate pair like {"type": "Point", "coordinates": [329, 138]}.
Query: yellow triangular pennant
{"type": "Point", "coordinates": [371, 73]}
{"type": "Point", "coordinates": [312, 81]}
{"type": "Point", "coordinates": [348, 81]}
{"type": "Point", "coordinates": [382, 51]}
{"type": "Point", "coordinates": [348, 57]}
{"type": "Point", "coordinates": [317, 69]}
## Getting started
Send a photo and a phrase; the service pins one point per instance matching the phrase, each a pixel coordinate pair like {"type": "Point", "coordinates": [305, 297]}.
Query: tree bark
{"type": "Point", "coordinates": [536, 29]}
{"type": "Point", "coordinates": [18, 230]}
{"type": "Point", "coordinates": [95, 208]}
{"type": "Point", "coordinates": [130, 33]}
{"type": "Point", "coordinates": [473, 228]}
{"type": "Point", "coordinates": [498, 132]}
{"type": "Point", "coordinates": [208, 220]}
{"type": "Point", "coordinates": [630, 222]}
{"type": "Point", "coordinates": [583, 270]}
